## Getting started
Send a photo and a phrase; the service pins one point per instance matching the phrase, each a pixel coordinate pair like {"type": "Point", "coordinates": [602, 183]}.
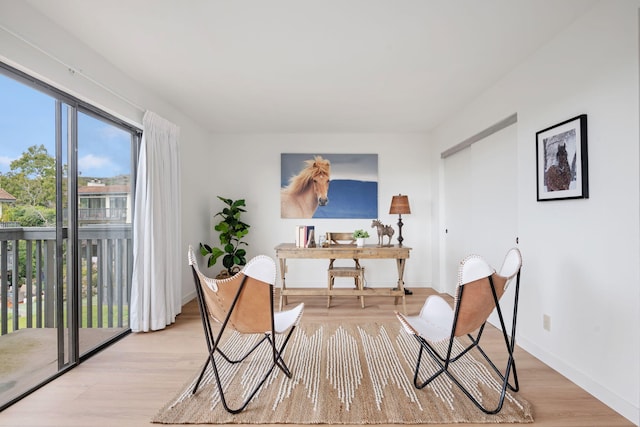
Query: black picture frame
{"type": "Point", "coordinates": [562, 162]}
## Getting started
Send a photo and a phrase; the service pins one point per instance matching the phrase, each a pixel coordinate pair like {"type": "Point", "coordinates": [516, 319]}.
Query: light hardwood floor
{"type": "Point", "coordinates": [127, 383]}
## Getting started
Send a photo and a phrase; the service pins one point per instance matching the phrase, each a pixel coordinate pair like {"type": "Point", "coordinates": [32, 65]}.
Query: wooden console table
{"type": "Point", "coordinates": [286, 251]}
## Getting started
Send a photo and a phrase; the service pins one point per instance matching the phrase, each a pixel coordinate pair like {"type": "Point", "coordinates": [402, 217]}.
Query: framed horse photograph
{"type": "Point", "coordinates": [320, 185]}
{"type": "Point", "coordinates": [561, 161]}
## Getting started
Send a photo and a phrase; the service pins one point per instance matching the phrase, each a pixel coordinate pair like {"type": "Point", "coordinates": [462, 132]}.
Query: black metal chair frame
{"type": "Point", "coordinates": [213, 342]}
{"type": "Point", "coordinates": [444, 361]}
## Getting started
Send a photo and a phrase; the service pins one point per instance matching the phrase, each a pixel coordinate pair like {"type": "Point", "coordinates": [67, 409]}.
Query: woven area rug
{"type": "Point", "coordinates": [342, 374]}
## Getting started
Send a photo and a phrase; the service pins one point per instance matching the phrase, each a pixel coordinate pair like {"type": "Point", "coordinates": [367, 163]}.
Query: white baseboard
{"type": "Point", "coordinates": [629, 410]}
{"type": "Point", "coordinates": [188, 297]}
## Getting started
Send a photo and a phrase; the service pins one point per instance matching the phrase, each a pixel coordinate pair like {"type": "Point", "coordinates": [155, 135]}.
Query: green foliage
{"type": "Point", "coordinates": [106, 309]}
{"type": "Point", "coordinates": [32, 178]}
{"type": "Point", "coordinates": [22, 262]}
{"type": "Point", "coordinates": [232, 230]}
{"type": "Point", "coordinates": [30, 216]}
{"type": "Point", "coordinates": [359, 234]}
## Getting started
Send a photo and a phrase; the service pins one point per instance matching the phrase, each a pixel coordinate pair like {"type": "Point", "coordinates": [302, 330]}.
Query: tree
{"type": "Point", "coordinates": [30, 216]}
{"type": "Point", "coordinates": [32, 178]}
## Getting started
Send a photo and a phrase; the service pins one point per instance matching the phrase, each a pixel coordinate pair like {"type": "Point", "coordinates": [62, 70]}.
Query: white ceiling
{"type": "Point", "coordinates": [315, 65]}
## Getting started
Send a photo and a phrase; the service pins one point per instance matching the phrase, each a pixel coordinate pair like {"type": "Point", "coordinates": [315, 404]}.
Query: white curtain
{"type": "Point", "coordinates": [156, 288]}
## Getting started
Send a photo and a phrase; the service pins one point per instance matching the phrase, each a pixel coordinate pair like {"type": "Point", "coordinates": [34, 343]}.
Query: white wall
{"type": "Point", "coordinates": [252, 171]}
{"type": "Point", "coordinates": [25, 34]}
{"type": "Point", "coordinates": [580, 256]}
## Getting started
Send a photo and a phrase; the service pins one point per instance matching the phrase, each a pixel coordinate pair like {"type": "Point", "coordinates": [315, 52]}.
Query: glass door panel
{"type": "Point", "coordinates": [31, 247]}
{"type": "Point", "coordinates": [104, 230]}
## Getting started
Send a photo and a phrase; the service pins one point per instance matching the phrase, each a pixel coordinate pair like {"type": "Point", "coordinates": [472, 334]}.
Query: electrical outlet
{"type": "Point", "coordinates": [546, 322]}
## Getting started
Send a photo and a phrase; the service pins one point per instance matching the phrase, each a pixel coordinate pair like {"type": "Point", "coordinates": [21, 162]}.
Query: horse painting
{"type": "Point", "coordinates": [383, 230]}
{"type": "Point", "coordinates": [307, 190]}
{"type": "Point", "coordinates": [559, 176]}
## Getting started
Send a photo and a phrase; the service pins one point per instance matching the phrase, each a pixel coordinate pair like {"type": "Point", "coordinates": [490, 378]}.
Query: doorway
{"type": "Point", "coordinates": [480, 201]}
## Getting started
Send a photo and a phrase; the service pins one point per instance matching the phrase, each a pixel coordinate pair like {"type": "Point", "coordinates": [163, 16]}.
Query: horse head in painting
{"type": "Point", "coordinates": [307, 190]}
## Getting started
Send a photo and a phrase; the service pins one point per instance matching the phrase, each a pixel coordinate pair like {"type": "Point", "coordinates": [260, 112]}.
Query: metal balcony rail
{"type": "Point", "coordinates": [28, 277]}
{"type": "Point", "coordinates": [9, 224]}
{"type": "Point", "coordinates": [102, 214]}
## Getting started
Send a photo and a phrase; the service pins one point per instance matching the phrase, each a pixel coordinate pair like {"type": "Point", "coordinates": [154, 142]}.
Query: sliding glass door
{"type": "Point", "coordinates": [66, 197]}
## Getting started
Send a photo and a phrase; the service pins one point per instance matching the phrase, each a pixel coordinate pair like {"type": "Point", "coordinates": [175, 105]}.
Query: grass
{"type": "Point", "coordinates": [22, 321]}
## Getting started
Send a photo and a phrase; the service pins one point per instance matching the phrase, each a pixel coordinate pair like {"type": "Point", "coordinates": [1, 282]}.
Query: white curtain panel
{"type": "Point", "coordinates": [156, 289]}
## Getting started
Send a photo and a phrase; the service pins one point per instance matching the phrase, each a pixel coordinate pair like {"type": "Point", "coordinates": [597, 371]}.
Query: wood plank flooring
{"type": "Point", "coordinates": [127, 383]}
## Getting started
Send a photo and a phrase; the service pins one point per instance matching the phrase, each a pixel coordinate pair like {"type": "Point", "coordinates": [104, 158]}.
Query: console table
{"type": "Point", "coordinates": [285, 251]}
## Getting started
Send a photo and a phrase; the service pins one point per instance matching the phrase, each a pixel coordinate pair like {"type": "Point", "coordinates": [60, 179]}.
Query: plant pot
{"type": "Point", "coordinates": [360, 242]}
{"type": "Point", "coordinates": [224, 274]}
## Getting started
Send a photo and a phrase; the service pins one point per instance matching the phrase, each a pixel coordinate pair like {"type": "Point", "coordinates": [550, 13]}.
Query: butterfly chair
{"type": "Point", "coordinates": [478, 293]}
{"type": "Point", "coordinates": [244, 303]}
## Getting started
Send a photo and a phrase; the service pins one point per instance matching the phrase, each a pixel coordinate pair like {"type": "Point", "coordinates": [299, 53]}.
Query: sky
{"type": "Point", "coordinates": [27, 118]}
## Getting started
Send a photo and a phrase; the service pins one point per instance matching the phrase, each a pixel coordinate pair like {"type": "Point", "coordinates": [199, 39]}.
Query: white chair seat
{"type": "Point", "coordinates": [434, 321]}
{"type": "Point", "coordinates": [284, 320]}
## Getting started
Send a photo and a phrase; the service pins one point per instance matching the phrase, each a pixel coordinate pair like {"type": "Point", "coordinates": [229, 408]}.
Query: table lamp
{"type": "Point", "coordinates": [400, 205]}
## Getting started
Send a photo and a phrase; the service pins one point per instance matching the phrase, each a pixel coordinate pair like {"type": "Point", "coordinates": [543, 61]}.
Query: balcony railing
{"type": "Point", "coordinates": [29, 280]}
{"type": "Point", "coordinates": [102, 214]}
{"type": "Point", "coordinates": [9, 224]}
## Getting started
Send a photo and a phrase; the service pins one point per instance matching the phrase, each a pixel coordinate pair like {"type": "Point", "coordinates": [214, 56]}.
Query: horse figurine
{"type": "Point", "coordinates": [307, 190]}
{"type": "Point", "coordinates": [383, 230]}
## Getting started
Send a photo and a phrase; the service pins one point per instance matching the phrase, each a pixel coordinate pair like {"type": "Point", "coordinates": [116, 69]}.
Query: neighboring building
{"type": "Point", "coordinates": [99, 203]}
{"type": "Point", "coordinates": [5, 198]}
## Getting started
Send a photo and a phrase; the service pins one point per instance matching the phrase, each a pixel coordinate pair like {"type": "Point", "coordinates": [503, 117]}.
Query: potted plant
{"type": "Point", "coordinates": [360, 235]}
{"type": "Point", "coordinates": [232, 231]}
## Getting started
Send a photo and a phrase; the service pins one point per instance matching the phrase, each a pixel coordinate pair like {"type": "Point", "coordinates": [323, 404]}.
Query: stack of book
{"type": "Point", "coordinates": [305, 236]}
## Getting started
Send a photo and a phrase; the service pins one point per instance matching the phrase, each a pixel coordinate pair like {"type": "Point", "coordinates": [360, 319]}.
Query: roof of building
{"type": "Point", "coordinates": [6, 197]}
{"type": "Point", "coordinates": [103, 189]}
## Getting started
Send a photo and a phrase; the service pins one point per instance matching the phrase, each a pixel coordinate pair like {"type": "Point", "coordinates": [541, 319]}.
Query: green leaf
{"type": "Point", "coordinates": [223, 227]}
{"type": "Point", "coordinates": [228, 261]}
{"type": "Point", "coordinates": [205, 249]}
{"type": "Point", "coordinates": [227, 201]}
{"type": "Point", "coordinates": [213, 258]}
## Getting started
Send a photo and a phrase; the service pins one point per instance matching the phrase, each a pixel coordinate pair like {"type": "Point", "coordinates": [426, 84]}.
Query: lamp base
{"type": "Point", "coordinates": [400, 239]}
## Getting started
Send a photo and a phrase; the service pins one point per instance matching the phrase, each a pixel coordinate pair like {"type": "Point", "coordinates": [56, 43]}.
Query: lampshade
{"type": "Point", "coordinates": [400, 205]}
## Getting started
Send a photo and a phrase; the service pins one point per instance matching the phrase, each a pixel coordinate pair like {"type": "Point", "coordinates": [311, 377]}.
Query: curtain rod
{"type": "Point", "coordinates": [73, 70]}
{"type": "Point", "coordinates": [508, 121]}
